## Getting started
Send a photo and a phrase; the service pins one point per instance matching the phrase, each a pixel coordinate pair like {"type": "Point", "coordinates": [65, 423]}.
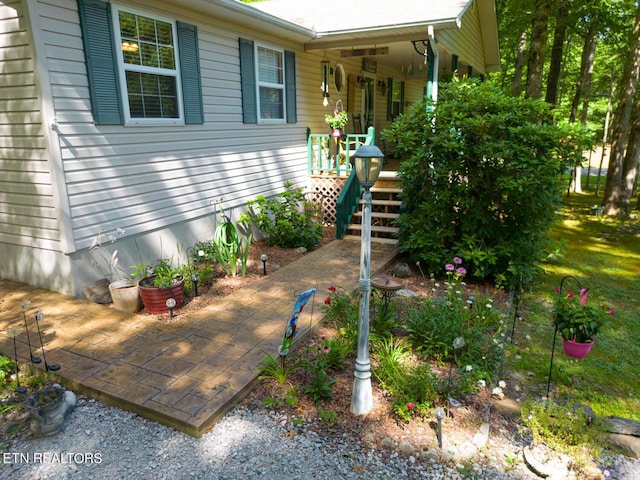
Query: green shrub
{"type": "Point", "coordinates": [286, 219]}
{"type": "Point", "coordinates": [482, 177]}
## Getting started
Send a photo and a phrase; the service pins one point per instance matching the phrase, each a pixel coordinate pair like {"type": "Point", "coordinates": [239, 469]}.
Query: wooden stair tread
{"type": "Point", "coordinates": [373, 239]}
{"type": "Point", "coordinates": [386, 190]}
{"type": "Point", "coordinates": [395, 203]}
{"type": "Point", "coordinates": [378, 214]}
{"type": "Point", "coordinates": [374, 228]}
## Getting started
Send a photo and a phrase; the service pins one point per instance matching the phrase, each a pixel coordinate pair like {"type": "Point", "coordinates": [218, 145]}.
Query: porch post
{"type": "Point", "coordinates": [433, 60]}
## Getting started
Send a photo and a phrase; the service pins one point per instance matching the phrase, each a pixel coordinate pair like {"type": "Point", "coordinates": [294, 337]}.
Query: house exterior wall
{"type": "Point", "coordinates": [30, 226]}
{"type": "Point", "coordinates": [65, 178]}
{"type": "Point", "coordinates": [465, 40]}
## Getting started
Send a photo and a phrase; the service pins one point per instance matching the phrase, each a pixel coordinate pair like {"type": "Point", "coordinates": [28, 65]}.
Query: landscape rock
{"type": "Point", "coordinates": [402, 270]}
{"type": "Point", "coordinates": [98, 292]}
{"type": "Point", "coordinates": [628, 443]}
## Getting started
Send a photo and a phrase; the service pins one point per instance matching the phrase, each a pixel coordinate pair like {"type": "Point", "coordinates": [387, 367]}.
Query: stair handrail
{"type": "Point", "coordinates": [350, 194]}
{"type": "Point", "coordinates": [347, 203]}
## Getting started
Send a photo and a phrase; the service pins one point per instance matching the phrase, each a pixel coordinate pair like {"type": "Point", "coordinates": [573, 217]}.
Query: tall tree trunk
{"type": "Point", "coordinates": [586, 71]}
{"type": "Point", "coordinates": [535, 64]}
{"type": "Point", "coordinates": [614, 193]}
{"type": "Point", "coordinates": [519, 66]}
{"type": "Point", "coordinates": [555, 62]}
{"type": "Point", "coordinates": [631, 161]}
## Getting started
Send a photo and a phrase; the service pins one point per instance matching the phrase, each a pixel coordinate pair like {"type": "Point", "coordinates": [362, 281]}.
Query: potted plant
{"type": "Point", "coordinates": [578, 322]}
{"type": "Point", "coordinates": [336, 122]}
{"type": "Point", "coordinates": [124, 292]}
{"type": "Point", "coordinates": [160, 283]}
{"type": "Point", "coordinates": [48, 409]}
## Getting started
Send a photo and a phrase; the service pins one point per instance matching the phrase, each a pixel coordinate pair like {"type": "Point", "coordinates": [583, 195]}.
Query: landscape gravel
{"type": "Point", "coordinates": [250, 442]}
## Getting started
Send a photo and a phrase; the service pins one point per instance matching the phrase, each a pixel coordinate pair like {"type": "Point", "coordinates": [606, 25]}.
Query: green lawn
{"type": "Point", "coordinates": [604, 254]}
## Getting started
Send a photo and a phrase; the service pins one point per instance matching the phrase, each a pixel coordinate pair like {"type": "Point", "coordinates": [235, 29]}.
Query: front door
{"type": "Point", "coordinates": [368, 105]}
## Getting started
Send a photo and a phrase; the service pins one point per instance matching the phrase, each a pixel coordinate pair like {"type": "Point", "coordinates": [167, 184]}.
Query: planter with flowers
{"type": "Point", "coordinates": [578, 321]}
{"type": "Point", "coordinates": [336, 122]}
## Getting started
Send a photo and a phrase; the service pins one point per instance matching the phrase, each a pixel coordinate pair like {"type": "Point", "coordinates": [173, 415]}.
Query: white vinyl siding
{"type": "Point", "coordinates": [465, 40]}
{"type": "Point", "coordinates": [27, 213]}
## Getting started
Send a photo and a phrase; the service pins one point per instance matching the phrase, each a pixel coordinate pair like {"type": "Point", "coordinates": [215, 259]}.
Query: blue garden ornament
{"type": "Point", "coordinates": [290, 331]}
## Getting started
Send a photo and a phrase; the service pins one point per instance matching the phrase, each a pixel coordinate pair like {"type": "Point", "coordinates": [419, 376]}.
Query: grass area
{"type": "Point", "coordinates": [604, 254]}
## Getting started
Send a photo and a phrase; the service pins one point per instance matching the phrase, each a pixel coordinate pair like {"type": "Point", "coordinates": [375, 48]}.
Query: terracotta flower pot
{"type": "Point", "coordinates": [576, 349]}
{"type": "Point", "coordinates": [155, 299]}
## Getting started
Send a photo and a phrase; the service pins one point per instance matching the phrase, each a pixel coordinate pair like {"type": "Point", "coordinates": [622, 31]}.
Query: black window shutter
{"type": "Point", "coordinates": [248, 82]}
{"type": "Point", "coordinates": [390, 98]}
{"type": "Point", "coordinates": [190, 72]}
{"type": "Point", "coordinates": [95, 21]}
{"type": "Point", "coordinates": [290, 85]}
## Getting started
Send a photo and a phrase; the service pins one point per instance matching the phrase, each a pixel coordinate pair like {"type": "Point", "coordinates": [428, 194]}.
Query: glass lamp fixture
{"type": "Point", "coordinates": [368, 163]}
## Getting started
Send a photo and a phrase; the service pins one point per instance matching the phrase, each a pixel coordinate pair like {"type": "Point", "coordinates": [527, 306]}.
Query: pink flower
{"type": "Point", "coordinates": [457, 260]}
{"type": "Point", "coordinates": [449, 267]}
{"type": "Point", "coordinates": [584, 295]}
{"type": "Point", "coordinates": [569, 294]}
{"type": "Point", "coordinates": [327, 301]}
{"type": "Point", "coordinates": [606, 473]}
{"type": "Point", "coordinates": [410, 405]}
{"type": "Point", "coordinates": [558, 290]}
{"type": "Point", "coordinates": [461, 271]}
{"type": "Point", "coordinates": [611, 312]}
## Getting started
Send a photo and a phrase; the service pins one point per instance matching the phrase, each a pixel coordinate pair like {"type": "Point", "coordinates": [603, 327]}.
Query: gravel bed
{"type": "Point", "coordinates": [102, 442]}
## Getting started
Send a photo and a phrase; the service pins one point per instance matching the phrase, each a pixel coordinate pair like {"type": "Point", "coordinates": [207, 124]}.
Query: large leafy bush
{"type": "Point", "coordinates": [482, 178]}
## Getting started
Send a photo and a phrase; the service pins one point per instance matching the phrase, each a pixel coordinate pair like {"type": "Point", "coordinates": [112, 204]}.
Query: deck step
{"type": "Point", "coordinates": [374, 228]}
{"type": "Point", "coordinates": [386, 190]}
{"type": "Point", "coordinates": [373, 239]}
{"type": "Point", "coordinates": [389, 203]}
{"type": "Point", "coordinates": [390, 216]}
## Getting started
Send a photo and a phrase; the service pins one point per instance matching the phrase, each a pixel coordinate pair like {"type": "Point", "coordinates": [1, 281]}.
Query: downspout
{"type": "Point", "coordinates": [433, 60]}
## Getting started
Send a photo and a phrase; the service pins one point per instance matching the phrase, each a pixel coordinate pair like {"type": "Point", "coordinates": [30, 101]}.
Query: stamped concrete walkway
{"type": "Point", "coordinates": [186, 374]}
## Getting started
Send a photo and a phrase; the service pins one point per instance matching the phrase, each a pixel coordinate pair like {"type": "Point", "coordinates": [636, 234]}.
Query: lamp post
{"type": "Point", "coordinates": [368, 163]}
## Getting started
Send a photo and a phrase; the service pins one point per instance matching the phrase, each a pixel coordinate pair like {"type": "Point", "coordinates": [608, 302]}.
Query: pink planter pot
{"type": "Point", "coordinates": [577, 350]}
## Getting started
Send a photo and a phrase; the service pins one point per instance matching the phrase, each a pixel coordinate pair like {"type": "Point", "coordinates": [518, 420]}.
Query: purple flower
{"type": "Point", "coordinates": [457, 260]}
{"type": "Point", "coordinates": [449, 267]}
{"type": "Point", "coordinates": [461, 271]}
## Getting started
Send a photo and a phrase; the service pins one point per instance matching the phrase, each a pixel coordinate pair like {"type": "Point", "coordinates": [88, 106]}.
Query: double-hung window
{"type": "Point", "coordinates": [148, 68]}
{"type": "Point", "coordinates": [143, 69]}
{"type": "Point", "coordinates": [271, 92]}
{"type": "Point", "coordinates": [268, 81]}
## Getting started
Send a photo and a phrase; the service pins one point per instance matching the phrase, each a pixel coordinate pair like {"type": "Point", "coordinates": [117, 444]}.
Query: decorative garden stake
{"type": "Point", "coordinates": [13, 331]}
{"type": "Point", "coordinates": [263, 257]}
{"type": "Point", "coordinates": [292, 323]}
{"type": "Point", "coordinates": [458, 343]}
{"type": "Point", "coordinates": [54, 367]}
{"type": "Point", "coordinates": [25, 307]}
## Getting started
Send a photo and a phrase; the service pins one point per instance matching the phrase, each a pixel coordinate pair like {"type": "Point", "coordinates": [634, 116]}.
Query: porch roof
{"type": "Point", "coordinates": [369, 23]}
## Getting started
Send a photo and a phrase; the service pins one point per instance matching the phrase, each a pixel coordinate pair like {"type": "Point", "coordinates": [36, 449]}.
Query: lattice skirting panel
{"type": "Point", "coordinates": [323, 192]}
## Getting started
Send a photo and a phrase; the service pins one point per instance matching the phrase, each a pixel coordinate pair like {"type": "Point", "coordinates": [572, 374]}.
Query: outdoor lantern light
{"type": "Point", "coordinates": [263, 257]}
{"type": "Point", "coordinates": [368, 160]}
{"type": "Point", "coordinates": [439, 412]}
{"type": "Point", "coordinates": [39, 316]}
{"type": "Point", "coordinates": [368, 163]}
{"type": "Point", "coordinates": [171, 302]}
{"type": "Point", "coordinates": [195, 278]}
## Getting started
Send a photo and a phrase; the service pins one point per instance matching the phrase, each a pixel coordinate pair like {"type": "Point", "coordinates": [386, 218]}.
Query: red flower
{"type": "Point", "coordinates": [332, 289]}
{"type": "Point", "coordinates": [327, 300]}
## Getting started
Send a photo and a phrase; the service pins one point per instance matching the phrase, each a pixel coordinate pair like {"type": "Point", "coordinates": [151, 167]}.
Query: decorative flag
{"type": "Point", "coordinates": [290, 331]}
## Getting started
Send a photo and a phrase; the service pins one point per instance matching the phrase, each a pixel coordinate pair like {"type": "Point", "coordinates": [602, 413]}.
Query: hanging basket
{"type": "Point", "coordinates": [576, 349]}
